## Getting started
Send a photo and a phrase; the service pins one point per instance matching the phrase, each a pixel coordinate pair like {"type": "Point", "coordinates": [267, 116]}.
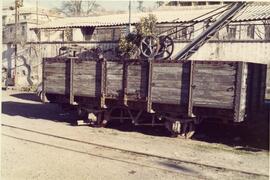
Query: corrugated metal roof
{"type": "Point", "coordinates": [253, 11]}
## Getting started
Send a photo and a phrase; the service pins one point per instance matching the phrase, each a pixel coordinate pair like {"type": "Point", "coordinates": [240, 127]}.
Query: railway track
{"type": "Point", "coordinates": [172, 165]}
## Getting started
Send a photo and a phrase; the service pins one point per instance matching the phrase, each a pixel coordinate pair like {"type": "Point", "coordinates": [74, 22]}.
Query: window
{"type": "Point", "coordinates": [4, 19]}
{"type": "Point", "coordinates": [231, 30]}
{"type": "Point", "coordinates": [250, 31]}
{"type": "Point", "coordinates": [267, 31]}
{"type": "Point", "coordinates": [185, 3]}
{"type": "Point", "coordinates": [24, 17]}
{"type": "Point", "coordinates": [104, 34]}
{"type": "Point", "coordinates": [213, 2]}
{"type": "Point", "coordinates": [116, 34]}
{"type": "Point", "coordinates": [201, 3]}
{"type": "Point", "coordinates": [87, 33]}
{"type": "Point", "coordinates": [23, 30]}
{"type": "Point", "coordinates": [69, 34]}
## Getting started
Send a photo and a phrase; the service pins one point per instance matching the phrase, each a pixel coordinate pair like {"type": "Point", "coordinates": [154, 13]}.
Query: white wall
{"type": "Point", "coordinates": [258, 52]}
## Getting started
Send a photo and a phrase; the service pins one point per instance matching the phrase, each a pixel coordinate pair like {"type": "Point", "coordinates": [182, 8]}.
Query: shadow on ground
{"type": "Point", "coordinates": [27, 96]}
{"type": "Point", "coordinates": [246, 137]}
{"type": "Point", "coordinates": [243, 137]}
{"type": "Point", "coordinates": [179, 168]}
{"type": "Point", "coordinates": [40, 111]}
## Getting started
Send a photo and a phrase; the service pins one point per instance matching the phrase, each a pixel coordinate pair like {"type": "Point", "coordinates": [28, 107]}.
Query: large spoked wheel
{"type": "Point", "coordinates": [149, 46]}
{"type": "Point", "coordinates": [166, 48]}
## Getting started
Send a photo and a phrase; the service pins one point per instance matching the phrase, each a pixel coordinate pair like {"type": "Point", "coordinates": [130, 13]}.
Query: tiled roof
{"type": "Point", "coordinates": [252, 12]}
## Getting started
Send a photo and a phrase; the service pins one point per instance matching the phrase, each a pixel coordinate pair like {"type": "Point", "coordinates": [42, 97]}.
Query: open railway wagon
{"type": "Point", "coordinates": [176, 93]}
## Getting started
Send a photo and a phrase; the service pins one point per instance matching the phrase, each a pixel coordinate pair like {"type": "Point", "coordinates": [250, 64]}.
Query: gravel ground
{"type": "Point", "coordinates": [32, 155]}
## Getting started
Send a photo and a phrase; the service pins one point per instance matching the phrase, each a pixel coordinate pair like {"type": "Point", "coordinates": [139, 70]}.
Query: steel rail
{"type": "Point", "coordinates": [136, 152]}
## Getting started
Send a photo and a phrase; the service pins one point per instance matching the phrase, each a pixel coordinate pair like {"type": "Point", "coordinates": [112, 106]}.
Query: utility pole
{"type": "Point", "coordinates": [129, 16]}
{"type": "Point", "coordinates": [18, 4]}
{"type": "Point", "coordinates": [37, 11]}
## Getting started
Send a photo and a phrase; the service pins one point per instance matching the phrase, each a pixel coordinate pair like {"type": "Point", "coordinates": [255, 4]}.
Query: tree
{"type": "Point", "coordinates": [146, 27]}
{"type": "Point", "coordinates": [160, 3]}
{"type": "Point", "coordinates": [140, 7]}
{"type": "Point", "coordinates": [79, 7]}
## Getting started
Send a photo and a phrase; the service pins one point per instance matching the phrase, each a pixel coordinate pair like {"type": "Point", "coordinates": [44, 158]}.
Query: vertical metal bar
{"type": "Point", "coordinates": [71, 73]}
{"type": "Point", "coordinates": [190, 94]}
{"type": "Point", "coordinates": [149, 86]}
{"type": "Point", "coordinates": [43, 81]}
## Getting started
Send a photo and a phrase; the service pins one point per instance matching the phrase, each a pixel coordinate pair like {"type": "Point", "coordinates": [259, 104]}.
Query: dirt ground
{"type": "Point", "coordinates": [38, 142]}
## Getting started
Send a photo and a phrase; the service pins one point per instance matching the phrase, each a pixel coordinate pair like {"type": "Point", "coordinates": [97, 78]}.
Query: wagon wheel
{"type": "Point", "coordinates": [149, 46]}
{"type": "Point", "coordinates": [166, 48]}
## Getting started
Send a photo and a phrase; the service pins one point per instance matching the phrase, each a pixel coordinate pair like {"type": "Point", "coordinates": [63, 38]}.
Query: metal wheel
{"type": "Point", "coordinates": [149, 46]}
{"type": "Point", "coordinates": [166, 48]}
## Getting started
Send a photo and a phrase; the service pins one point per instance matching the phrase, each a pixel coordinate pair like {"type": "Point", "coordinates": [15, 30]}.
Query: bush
{"type": "Point", "coordinates": [146, 27]}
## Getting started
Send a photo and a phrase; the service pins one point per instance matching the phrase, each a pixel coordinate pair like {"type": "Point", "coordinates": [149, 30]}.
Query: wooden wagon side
{"type": "Point", "coordinates": [171, 89]}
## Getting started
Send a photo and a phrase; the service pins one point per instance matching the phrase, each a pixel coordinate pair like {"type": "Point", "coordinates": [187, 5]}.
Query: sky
{"type": "Point", "coordinates": [107, 4]}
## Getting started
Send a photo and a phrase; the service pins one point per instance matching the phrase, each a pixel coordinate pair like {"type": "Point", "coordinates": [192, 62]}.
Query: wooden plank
{"type": "Point", "coordinates": [171, 77]}
{"type": "Point", "coordinates": [56, 82]}
{"type": "Point", "coordinates": [168, 92]}
{"type": "Point", "coordinates": [206, 95]}
{"type": "Point", "coordinates": [113, 77]}
{"type": "Point", "coordinates": [54, 65]}
{"type": "Point", "coordinates": [170, 70]}
{"type": "Point", "coordinates": [55, 70]}
{"type": "Point", "coordinates": [172, 84]}
{"type": "Point", "coordinates": [179, 65]}
{"type": "Point", "coordinates": [216, 102]}
{"type": "Point", "coordinates": [55, 76]}
{"type": "Point", "coordinates": [214, 86]}
{"type": "Point", "coordinates": [115, 72]}
{"type": "Point", "coordinates": [137, 67]}
{"type": "Point", "coordinates": [227, 65]}
{"type": "Point", "coordinates": [216, 79]}
{"type": "Point", "coordinates": [85, 77]}
{"type": "Point", "coordinates": [57, 90]}
{"type": "Point", "coordinates": [55, 60]}
{"type": "Point", "coordinates": [170, 100]}
{"type": "Point", "coordinates": [214, 72]}
{"type": "Point", "coordinates": [86, 72]}
{"type": "Point", "coordinates": [135, 73]}
{"type": "Point", "coordinates": [137, 78]}
{"type": "Point", "coordinates": [86, 90]}
{"type": "Point", "coordinates": [114, 65]}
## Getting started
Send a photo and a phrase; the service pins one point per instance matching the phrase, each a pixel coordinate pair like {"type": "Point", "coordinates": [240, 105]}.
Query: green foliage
{"type": "Point", "coordinates": [126, 44]}
{"type": "Point", "coordinates": [146, 27]}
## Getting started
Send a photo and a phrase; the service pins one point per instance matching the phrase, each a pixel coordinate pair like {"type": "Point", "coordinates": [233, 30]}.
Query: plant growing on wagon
{"type": "Point", "coordinates": [129, 45]}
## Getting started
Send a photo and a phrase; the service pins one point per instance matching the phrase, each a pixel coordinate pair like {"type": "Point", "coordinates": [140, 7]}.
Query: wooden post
{"type": "Point", "coordinates": [149, 86]}
{"type": "Point", "coordinates": [125, 78]}
{"type": "Point", "coordinates": [190, 93]}
{"type": "Point", "coordinates": [43, 80]}
{"type": "Point", "coordinates": [71, 72]}
{"type": "Point", "coordinates": [239, 102]}
{"type": "Point", "coordinates": [103, 82]}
